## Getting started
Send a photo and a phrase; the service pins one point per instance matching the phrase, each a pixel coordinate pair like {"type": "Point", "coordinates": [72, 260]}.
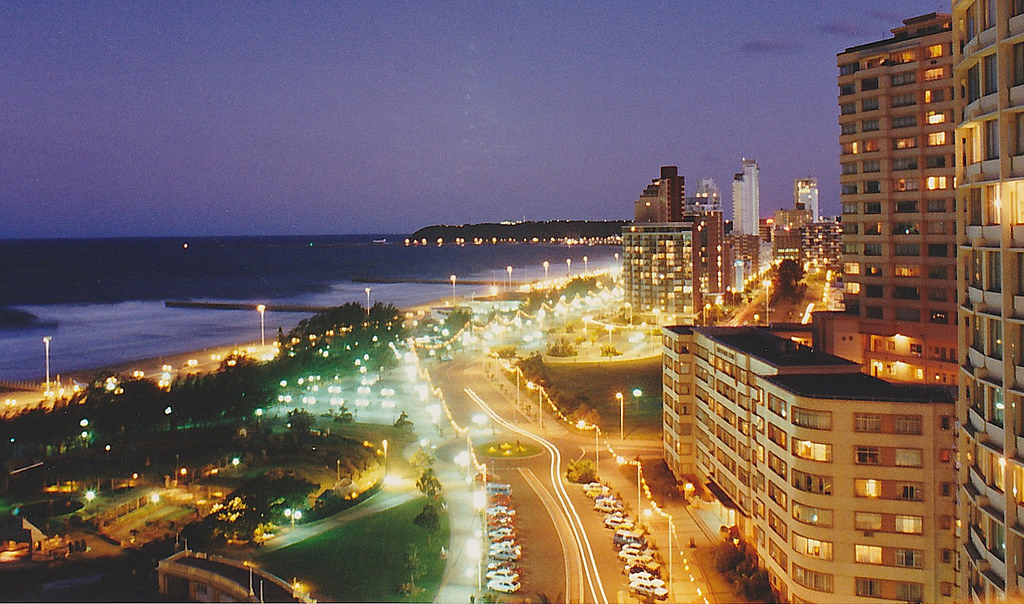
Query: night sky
{"type": "Point", "coordinates": [206, 118]}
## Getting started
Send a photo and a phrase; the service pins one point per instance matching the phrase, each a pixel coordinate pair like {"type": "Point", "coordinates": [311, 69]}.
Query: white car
{"type": "Point", "coordinates": [595, 489]}
{"type": "Point", "coordinates": [647, 582]}
{"type": "Point", "coordinates": [503, 586]}
{"type": "Point", "coordinates": [501, 531]}
{"type": "Point", "coordinates": [640, 576]}
{"type": "Point", "coordinates": [500, 510]}
{"type": "Point", "coordinates": [618, 520]}
{"type": "Point", "coordinates": [635, 556]}
{"type": "Point", "coordinates": [658, 593]}
{"type": "Point", "coordinates": [506, 554]}
{"type": "Point", "coordinates": [502, 575]}
{"type": "Point", "coordinates": [608, 505]}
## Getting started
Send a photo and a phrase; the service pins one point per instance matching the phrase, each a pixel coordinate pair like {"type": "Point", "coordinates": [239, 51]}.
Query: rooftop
{"type": "Point", "coordinates": [862, 387]}
{"type": "Point", "coordinates": [914, 27]}
{"type": "Point", "coordinates": [780, 352]}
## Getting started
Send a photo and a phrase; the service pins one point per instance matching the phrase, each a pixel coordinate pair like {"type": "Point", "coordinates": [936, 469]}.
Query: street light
{"type": "Point", "coordinates": [367, 290]}
{"type": "Point", "coordinates": [384, 443]}
{"type": "Point", "coordinates": [630, 307]}
{"type": "Point", "coordinates": [597, 450]}
{"type": "Point", "coordinates": [453, 288]}
{"type": "Point", "coordinates": [568, 267]}
{"type": "Point", "coordinates": [767, 284]}
{"type": "Point", "coordinates": [262, 309]}
{"type": "Point", "coordinates": [637, 393]}
{"type": "Point", "coordinates": [622, 416]}
{"type": "Point", "coordinates": [509, 269]}
{"type": "Point", "coordinates": [546, 270]}
{"type": "Point", "coordinates": [586, 265]}
{"type": "Point", "coordinates": [609, 328]}
{"type": "Point", "coordinates": [46, 343]}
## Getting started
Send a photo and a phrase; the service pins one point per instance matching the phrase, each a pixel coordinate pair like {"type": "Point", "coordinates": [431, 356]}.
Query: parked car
{"type": "Point", "coordinates": [646, 581]}
{"type": "Point", "coordinates": [506, 554]}
{"type": "Point", "coordinates": [501, 531]}
{"type": "Point", "coordinates": [608, 505]}
{"type": "Point", "coordinates": [657, 593]}
{"type": "Point", "coordinates": [617, 520]}
{"type": "Point", "coordinates": [624, 536]}
{"type": "Point", "coordinates": [503, 586]}
{"type": "Point", "coordinates": [496, 488]}
{"type": "Point", "coordinates": [502, 574]}
{"type": "Point", "coordinates": [652, 568]}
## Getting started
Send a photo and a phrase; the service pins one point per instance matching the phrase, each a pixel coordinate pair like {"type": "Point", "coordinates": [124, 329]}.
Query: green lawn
{"type": "Point", "coordinates": [363, 561]}
{"type": "Point", "coordinates": [600, 383]}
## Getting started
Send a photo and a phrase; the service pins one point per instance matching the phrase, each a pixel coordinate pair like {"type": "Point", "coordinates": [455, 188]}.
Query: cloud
{"type": "Point", "coordinates": [770, 46]}
{"type": "Point", "coordinates": [844, 29]}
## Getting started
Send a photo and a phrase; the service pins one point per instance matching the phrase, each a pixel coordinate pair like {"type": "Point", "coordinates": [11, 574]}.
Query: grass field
{"type": "Point", "coordinates": [599, 383]}
{"type": "Point", "coordinates": [363, 561]}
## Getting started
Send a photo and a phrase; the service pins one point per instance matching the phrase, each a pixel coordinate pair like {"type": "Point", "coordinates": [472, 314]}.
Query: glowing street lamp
{"type": "Point", "coordinates": [586, 264]}
{"type": "Point", "coordinates": [367, 290]}
{"type": "Point", "coordinates": [630, 307]}
{"type": "Point", "coordinates": [453, 287]}
{"type": "Point", "coordinates": [46, 343]}
{"type": "Point", "coordinates": [262, 309]}
{"type": "Point", "coordinates": [546, 265]}
{"type": "Point", "coordinates": [622, 415]}
{"type": "Point", "coordinates": [767, 284]}
{"type": "Point", "coordinates": [609, 328]}
{"type": "Point", "coordinates": [384, 443]}
{"type": "Point", "coordinates": [637, 393]}
{"type": "Point", "coordinates": [508, 269]}
{"type": "Point", "coordinates": [568, 267]}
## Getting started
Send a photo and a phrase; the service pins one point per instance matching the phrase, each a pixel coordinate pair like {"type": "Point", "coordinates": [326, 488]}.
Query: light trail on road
{"type": "Point", "coordinates": [584, 548]}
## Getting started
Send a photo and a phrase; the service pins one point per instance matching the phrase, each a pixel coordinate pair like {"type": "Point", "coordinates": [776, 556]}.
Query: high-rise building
{"type": "Point", "coordinates": [988, 45]}
{"type": "Point", "coordinates": [657, 271]}
{"type": "Point", "coordinates": [662, 200]}
{"type": "Point", "coordinates": [746, 201]}
{"type": "Point", "coordinates": [712, 258]}
{"type": "Point", "coordinates": [823, 244]}
{"type": "Point", "coordinates": [805, 196]}
{"type": "Point", "coordinates": [843, 483]}
{"type": "Point", "coordinates": [707, 199]}
{"type": "Point", "coordinates": [897, 106]}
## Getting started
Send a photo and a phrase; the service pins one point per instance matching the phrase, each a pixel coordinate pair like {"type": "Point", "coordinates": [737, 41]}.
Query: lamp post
{"type": "Point", "coordinates": [670, 531]}
{"type": "Point", "coordinates": [453, 288]}
{"type": "Point", "coordinates": [540, 405]}
{"type": "Point", "coordinates": [638, 487]}
{"type": "Point", "coordinates": [546, 265]}
{"type": "Point", "coordinates": [262, 309]}
{"type": "Point", "coordinates": [767, 320]}
{"type": "Point", "coordinates": [509, 270]}
{"type": "Point", "coordinates": [597, 450]}
{"type": "Point", "coordinates": [586, 265]}
{"type": "Point", "coordinates": [609, 328]}
{"type": "Point", "coordinates": [568, 267]}
{"type": "Point", "coordinates": [46, 343]}
{"type": "Point", "coordinates": [622, 416]}
{"type": "Point", "coordinates": [637, 393]}
{"type": "Point", "coordinates": [367, 290]}
{"type": "Point", "coordinates": [384, 443]}
{"type": "Point", "coordinates": [630, 307]}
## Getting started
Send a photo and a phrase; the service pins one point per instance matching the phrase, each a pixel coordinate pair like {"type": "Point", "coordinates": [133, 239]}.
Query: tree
{"type": "Point", "coordinates": [428, 519]}
{"type": "Point", "coordinates": [581, 471]}
{"type": "Point", "coordinates": [300, 421]}
{"type": "Point", "coordinates": [787, 275]}
{"type": "Point", "coordinates": [412, 563]}
{"type": "Point", "coordinates": [429, 484]}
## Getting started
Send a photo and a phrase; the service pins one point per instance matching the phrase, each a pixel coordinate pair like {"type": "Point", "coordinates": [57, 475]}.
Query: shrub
{"type": "Point", "coordinates": [581, 471]}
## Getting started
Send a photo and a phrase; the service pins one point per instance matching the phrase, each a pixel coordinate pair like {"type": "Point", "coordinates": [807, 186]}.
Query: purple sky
{"type": "Point", "coordinates": [206, 118]}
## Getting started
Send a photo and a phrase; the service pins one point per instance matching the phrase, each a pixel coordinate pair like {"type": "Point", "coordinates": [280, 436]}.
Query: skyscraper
{"type": "Point", "coordinates": [897, 108]}
{"type": "Point", "coordinates": [805, 196]}
{"type": "Point", "coordinates": [746, 201]}
{"type": "Point", "coordinates": [662, 200]}
{"type": "Point", "coordinates": [988, 42]}
{"type": "Point", "coordinates": [707, 198]}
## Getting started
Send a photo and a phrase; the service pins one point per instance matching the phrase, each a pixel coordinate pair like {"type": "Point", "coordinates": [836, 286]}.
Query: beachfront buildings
{"type": "Point", "coordinates": [746, 200]}
{"type": "Point", "coordinates": [805, 196]}
{"type": "Point", "coordinates": [988, 45]}
{"type": "Point", "coordinates": [897, 108]}
{"type": "Point", "coordinates": [657, 271]}
{"type": "Point", "coordinates": [663, 199]}
{"type": "Point", "coordinates": [843, 483]}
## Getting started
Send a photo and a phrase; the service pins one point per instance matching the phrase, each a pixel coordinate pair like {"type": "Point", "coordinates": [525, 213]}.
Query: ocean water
{"type": "Point", "coordinates": [102, 300]}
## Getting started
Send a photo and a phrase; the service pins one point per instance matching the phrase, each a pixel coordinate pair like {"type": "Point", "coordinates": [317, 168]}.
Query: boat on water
{"type": "Point", "coordinates": [380, 240]}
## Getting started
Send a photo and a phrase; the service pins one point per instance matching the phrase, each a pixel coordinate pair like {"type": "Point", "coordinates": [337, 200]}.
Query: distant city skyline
{"type": "Point", "coordinates": [265, 118]}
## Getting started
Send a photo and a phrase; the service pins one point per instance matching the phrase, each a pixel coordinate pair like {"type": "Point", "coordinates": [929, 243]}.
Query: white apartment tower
{"type": "Point", "coordinates": [746, 202]}
{"type": "Point", "coordinates": [805, 196]}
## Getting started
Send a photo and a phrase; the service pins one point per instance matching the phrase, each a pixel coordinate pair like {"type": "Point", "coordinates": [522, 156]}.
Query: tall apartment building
{"type": "Point", "coordinates": [657, 271]}
{"type": "Point", "coordinates": [897, 108]}
{"type": "Point", "coordinates": [823, 244]}
{"type": "Point", "coordinates": [842, 482]}
{"type": "Point", "coordinates": [746, 200]}
{"type": "Point", "coordinates": [805, 196]}
{"type": "Point", "coordinates": [663, 199]}
{"type": "Point", "coordinates": [707, 198]}
{"type": "Point", "coordinates": [989, 54]}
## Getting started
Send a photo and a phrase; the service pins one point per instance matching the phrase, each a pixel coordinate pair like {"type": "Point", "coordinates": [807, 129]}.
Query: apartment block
{"type": "Point", "coordinates": [843, 483]}
{"type": "Point", "coordinates": [663, 199]}
{"type": "Point", "coordinates": [989, 74]}
{"type": "Point", "coordinates": [897, 110]}
{"type": "Point", "coordinates": [657, 270]}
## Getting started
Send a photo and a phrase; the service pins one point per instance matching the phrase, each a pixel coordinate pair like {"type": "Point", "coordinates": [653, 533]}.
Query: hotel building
{"type": "Point", "coordinates": [657, 271]}
{"type": "Point", "coordinates": [989, 75]}
{"type": "Point", "coordinates": [897, 113]}
{"type": "Point", "coordinates": [842, 483]}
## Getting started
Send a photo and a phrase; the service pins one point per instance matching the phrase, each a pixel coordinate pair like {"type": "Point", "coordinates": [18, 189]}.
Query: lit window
{"type": "Point", "coordinates": [936, 138]}
{"type": "Point", "coordinates": [936, 182]}
{"type": "Point", "coordinates": [933, 74]}
{"type": "Point", "coordinates": [811, 450]}
{"type": "Point", "coordinates": [851, 268]}
{"type": "Point", "coordinates": [867, 487]}
{"type": "Point", "coordinates": [935, 117]}
{"type": "Point", "coordinates": [934, 51]}
{"type": "Point", "coordinates": [852, 287]}
{"type": "Point", "coordinates": [908, 458]}
{"type": "Point", "coordinates": [869, 554]}
{"type": "Point", "coordinates": [909, 524]}
{"type": "Point", "coordinates": [867, 521]}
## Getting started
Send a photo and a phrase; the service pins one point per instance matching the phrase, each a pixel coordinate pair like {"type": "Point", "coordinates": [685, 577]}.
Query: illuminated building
{"type": "Point", "coordinates": [843, 483]}
{"type": "Point", "coordinates": [805, 196]}
{"type": "Point", "coordinates": [662, 200]}
{"type": "Point", "coordinates": [746, 201]}
{"type": "Point", "coordinates": [657, 271]}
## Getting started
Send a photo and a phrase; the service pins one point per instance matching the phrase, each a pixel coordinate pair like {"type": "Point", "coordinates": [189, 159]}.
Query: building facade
{"type": "Point", "coordinates": [707, 198]}
{"type": "Point", "coordinates": [805, 196]}
{"type": "Point", "coordinates": [843, 483]}
{"type": "Point", "coordinates": [746, 200]}
{"type": "Point", "coordinates": [823, 244]}
{"type": "Point", "coordinates": [657, 271]}
{"type": "Point", "coordinates": [989, 55]}
{"type": "Point", "coordinates": [897, 108]}
{"type": "Point", "coordinates": [663, 199]}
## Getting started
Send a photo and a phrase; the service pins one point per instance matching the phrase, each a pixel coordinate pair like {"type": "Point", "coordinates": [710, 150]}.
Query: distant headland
{"type": "Point", "coordinates": [592, 232]}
